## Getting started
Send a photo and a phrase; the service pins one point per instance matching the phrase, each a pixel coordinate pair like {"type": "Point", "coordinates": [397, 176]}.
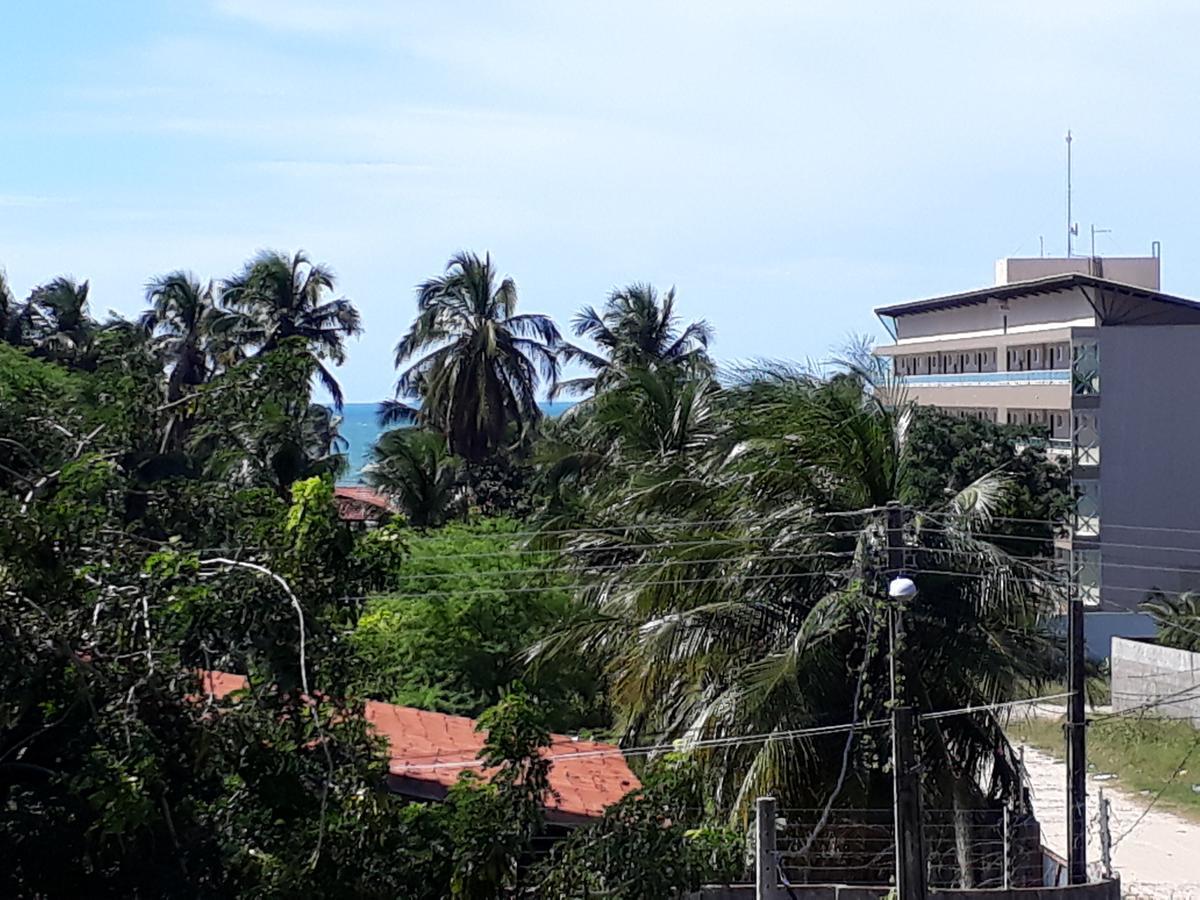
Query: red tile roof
{"type": "Point", "coordinates": [218, 684]}
{"type": "Point", "coordinates": [360, 504]}
{"type": "Point", "coordinates": [363, 495]}
{"type": "Point", "coordinates": [423, 743]}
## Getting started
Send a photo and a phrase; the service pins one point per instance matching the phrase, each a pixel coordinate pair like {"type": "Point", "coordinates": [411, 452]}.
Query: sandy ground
{"type": "Point", "coordinates": [1158, 857]}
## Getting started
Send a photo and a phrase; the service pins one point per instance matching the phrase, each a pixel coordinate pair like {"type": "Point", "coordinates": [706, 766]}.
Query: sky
{"type": "Point", "coordinates": [786, 165]}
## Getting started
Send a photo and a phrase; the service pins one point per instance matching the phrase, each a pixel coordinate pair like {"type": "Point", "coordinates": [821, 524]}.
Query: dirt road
{"type": "Point", "coordinates": [1157, 857]}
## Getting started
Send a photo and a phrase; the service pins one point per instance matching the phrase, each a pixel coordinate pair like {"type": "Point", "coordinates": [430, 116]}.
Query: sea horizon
{"type": "Point", "coordinates": [361, 429]}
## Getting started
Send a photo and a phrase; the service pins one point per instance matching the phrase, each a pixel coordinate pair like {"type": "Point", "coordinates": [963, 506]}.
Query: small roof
{"type": "Point", "coordinates": [358, 503]}
{"type": "Point", "coordinates": [430, 750]}
{"type": "Point", "coordinates": [427, 749]}
{"type": "Point", "coordinates": [1108, 298]}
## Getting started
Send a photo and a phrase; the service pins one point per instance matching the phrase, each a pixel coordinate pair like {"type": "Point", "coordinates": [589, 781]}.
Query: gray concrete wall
{"type": "Point", "coordinates": [1144, 672]}
{"type": "Point", "coordinates": [1149, 441]}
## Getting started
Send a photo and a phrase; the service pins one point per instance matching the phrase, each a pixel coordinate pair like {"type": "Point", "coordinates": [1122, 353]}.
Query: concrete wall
{"type": "Point", "coordinates": [1149, 443]}
{"type": "Point", "coordinates": [1104, 890]}
{"type": "Point", "coordinates": [1001, 397]}
{"type": "Point", "coordinates": [1023, 313]}
{"type": "Point", "coordinates": [1142, 271]}
{"type": "Point", "coordinates": [1144, 672]}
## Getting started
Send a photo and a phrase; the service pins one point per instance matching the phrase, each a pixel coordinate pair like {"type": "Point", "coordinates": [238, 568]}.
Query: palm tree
{"type": "Point", "coordinates": [735, 578]}
{"type": "Point", "coordinates": [415, 469]}
{"type": "Point", "coordinates": [276, 297]}
{"type": "Point", "coordinates": [634, 330]}
{"type": "Point", "coordinates": [8, 309]}
{"type": "Point", "coordinates": [58, 323]}
{"type": "Point", "coordinates": [1177, 618]}
{"type": "Point", "coordinates": [181, 321]}
{"type": "Point", "coordinates": [478, 375]}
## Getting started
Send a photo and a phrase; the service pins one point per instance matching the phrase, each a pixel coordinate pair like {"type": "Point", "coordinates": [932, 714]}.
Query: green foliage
{"type": "Point", "coordinates": [466, 602]}
{"type": "Point", "coordinates": [1177, 617]}
{"type": "Point", "coordinates": [416, 470]}
{"type": "Point", "coordinates": [635, 331]}
{"type": "Point", "coordinates": [32, 394]}
{"type": "Point", "coordinates": [472, 360]}
{"type": "Point", "coordinates": [256, 426]}
{"type": "Point", "coordinates": [745, 598]}
{"type": "Point", "coordinates": [947, 454]}
{"type": "Point", "coordinates": [654, 843]}
{"type": "Point", "coordinates": [278, 299]}
{"type": "Point", "coordinates": [1147, 754]}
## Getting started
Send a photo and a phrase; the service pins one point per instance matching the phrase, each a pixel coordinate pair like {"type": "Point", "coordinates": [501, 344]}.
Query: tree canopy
{"type": "Point", "coordinates": [472, 361]}
{"type": "Point", "coordinates": [680, 561]}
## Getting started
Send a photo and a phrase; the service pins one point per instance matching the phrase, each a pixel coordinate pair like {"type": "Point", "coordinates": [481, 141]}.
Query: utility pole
{"type": "Point", "coordinates": [906, 780]}
{"type": "Point", "coordinates": [1076, 744]}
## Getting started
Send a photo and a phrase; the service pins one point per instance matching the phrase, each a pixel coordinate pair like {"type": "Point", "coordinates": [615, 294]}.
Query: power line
{"type": "Point", "coordinates": [638, 564]}
{"type": "Point", "coordinates": [1158, 794]}
{"type": "Point", "coordinates": [743, 740]}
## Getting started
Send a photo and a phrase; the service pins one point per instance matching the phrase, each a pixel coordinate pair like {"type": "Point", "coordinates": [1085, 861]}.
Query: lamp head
{"type": "Point", "coordinates": [902, 589]}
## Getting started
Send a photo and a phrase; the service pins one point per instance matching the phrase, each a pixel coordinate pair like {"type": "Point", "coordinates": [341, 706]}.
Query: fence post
{"type": "Point", "coordinates": [1007, 850]}
{"type": "Point", "coordinates": [1105, 837]}
{"type": "Point", "coordinates": [766, 877]}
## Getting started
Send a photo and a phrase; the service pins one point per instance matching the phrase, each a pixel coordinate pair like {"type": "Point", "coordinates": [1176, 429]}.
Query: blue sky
{"type": "Point", "coordinates": [786, 165]}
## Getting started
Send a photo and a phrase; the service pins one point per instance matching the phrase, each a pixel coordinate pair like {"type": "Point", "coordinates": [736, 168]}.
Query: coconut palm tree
{"type": "Point", "coordinates": [8, 309]}
{"type": "Point", "coordinates": [735, 584]}
{"type": "Point", "coordinates": [472, 361]}
{"type": "Point", "coordinates": [415, 469]}
{"type": "Point", "coordinates": [181, 322]}
{"type": "Point", "coordinates": [276, 297]}
{"type": "Point", "coordinates": [634, 331]}
{"type": "Point", "coordinates": [1177, 618]}
{"type": "Point", "coordinates": [57, 322]}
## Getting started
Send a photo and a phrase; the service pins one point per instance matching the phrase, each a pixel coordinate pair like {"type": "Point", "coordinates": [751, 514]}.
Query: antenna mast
{"type": "Point", "coordinates": [1072, 229]}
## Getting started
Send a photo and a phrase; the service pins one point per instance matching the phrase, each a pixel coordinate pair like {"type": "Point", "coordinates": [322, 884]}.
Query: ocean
{"type": "Point", "coordinates": [360, 428]}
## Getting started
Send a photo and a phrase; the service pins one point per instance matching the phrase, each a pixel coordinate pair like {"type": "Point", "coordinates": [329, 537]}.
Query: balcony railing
{"type": "Point", "coordinates": [1037, 376]}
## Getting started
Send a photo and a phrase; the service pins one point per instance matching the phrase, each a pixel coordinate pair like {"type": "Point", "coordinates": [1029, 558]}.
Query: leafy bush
{"type": "Point", "coordinates": [655, 843]}
{"type": "Point", "coordinates": [466, 601]}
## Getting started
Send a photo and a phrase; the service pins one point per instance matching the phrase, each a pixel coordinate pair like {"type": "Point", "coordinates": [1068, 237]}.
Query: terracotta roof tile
{"type": "Point", "coordinates": [418, 739]}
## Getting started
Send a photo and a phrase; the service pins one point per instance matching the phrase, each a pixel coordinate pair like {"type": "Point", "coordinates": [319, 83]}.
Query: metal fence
{"type": "Point", "coordinates": [990, 848]}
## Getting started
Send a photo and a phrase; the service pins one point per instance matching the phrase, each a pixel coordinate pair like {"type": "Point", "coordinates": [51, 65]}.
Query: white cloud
{"type": "Point", "coordinates": [30, 201]}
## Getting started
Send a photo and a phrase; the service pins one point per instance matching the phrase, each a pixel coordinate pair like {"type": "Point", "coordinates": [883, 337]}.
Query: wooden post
{"type": "Point", "coordinates": [1105, 836]}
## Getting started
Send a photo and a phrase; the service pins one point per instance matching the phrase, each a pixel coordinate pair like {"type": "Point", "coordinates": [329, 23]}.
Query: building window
{"type": "Point", "coordinates": [1059, 357]}
{"type": "Point", "coordinates": [1087, 508]}
{"type": "Point", "coordinates": [1085, 369]}
{"type": "Point", "coordinates": [1085, 438]}
{"type": "Point", "coordinates": [1059, 429]}
{"type": "Point", "coordinates": [1085, 575]}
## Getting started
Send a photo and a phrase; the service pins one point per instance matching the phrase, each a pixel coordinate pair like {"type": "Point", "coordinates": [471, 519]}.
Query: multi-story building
{"type": "Point", "coordinates": [1096, 352]}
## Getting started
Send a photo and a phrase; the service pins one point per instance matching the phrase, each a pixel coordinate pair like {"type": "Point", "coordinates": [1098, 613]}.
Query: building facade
{"type": "Point", "coordinates": [1095, 352]}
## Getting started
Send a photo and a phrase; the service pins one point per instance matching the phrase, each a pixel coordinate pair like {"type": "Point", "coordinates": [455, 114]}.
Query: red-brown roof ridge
{"type": "Point", "coordinates": [421, 743]}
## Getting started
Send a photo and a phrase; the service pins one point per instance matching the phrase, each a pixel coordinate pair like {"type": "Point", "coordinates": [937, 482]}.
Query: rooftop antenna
{"type": "Point", "coordinates": [1072, 228]}
{"type": "Point", "coordinates": [1096, 231]}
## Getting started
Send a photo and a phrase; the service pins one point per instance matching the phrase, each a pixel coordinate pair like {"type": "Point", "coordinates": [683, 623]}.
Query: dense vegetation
{"type": "Point", "coordinates": [1177, 617]}
{"type": "Point", "coordinates": [682, 561]}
